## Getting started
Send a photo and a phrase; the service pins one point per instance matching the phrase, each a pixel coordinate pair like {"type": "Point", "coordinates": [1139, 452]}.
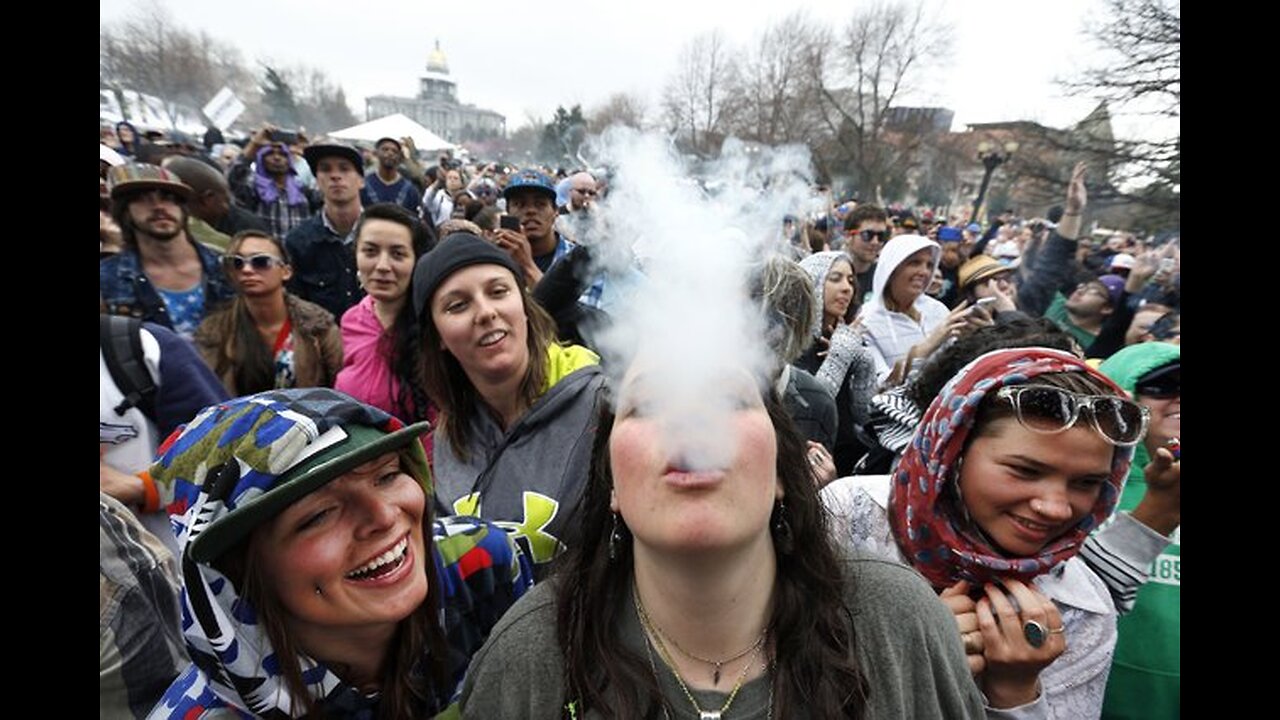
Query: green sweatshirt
{"type": "Point", "coordinates": [1146, 675]}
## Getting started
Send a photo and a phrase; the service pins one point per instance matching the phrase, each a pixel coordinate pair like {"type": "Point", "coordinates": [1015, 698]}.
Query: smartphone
{"type": "Point", "coordinates": [986, 303]}
{"type": "Point", "coordinates": [287, 137]}
{"type": "Point", "coordinates": [509, 222]}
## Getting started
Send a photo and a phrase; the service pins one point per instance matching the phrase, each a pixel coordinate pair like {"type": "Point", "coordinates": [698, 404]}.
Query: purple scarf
{"type": "Point", "coordinates": [266, 184]}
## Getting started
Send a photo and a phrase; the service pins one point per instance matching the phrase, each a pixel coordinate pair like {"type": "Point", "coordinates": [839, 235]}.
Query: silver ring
{"type": "Point", "coordinates": [1035, 633]}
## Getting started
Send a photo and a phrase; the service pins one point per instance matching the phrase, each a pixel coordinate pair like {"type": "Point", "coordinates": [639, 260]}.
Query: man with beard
{"type": "Point", "coordinates": [386, 183]}
{"type": "Point", "coordinates": [866, 231]}
{"type": "Point", "coordinates": [162, 275]}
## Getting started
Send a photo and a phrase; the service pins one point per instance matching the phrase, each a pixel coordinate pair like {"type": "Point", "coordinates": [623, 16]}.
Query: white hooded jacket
{"type": "Point", "coordinates": [891, 334]}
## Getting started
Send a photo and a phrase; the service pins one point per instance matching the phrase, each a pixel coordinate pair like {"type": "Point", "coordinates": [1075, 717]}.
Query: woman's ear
{"type": "Point", "coordinates": [286, 272]}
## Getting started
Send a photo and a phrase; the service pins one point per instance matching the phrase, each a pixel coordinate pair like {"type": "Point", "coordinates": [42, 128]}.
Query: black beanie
{"type": "Point", "coordinates": [455, 252]}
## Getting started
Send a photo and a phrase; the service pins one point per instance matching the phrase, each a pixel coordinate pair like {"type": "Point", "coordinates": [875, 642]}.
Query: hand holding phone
{"type": "Point", "coordinates": [509, 222]}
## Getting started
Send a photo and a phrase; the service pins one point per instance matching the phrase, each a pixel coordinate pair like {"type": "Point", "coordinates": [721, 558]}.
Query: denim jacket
{"type": "Point", "coordinates": [324, 265]}
{"type": "Point", "coordinates": [126, 289]}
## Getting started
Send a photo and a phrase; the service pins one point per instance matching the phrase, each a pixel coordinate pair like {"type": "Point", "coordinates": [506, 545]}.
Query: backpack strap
{"type": "Point", "coordinates": [121, 342]}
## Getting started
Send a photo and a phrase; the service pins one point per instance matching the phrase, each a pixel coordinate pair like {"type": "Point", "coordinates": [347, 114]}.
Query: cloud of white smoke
{"type": "Point", "coordinates": [691, 327]}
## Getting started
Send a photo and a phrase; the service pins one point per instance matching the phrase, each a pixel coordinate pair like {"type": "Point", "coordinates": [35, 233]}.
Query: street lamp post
{"type": "Point", "coordinates": [992, 158]}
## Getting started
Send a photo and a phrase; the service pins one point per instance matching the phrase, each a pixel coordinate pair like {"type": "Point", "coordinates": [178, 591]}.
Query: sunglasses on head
{"type": "Point", "coordinates": [873, 235]}
{"type": "Point", "coordinates": [1048, 410]}
{"type": "Point", "coordinates": [1163, 386]}
{"type": "Point", "coordinates": [260, 262]}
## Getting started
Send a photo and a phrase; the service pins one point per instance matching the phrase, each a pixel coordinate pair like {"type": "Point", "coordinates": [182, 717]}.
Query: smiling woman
{"type": "Point", "coordinates": [517, 410]}
{"type": "Point", "coordinates": [903, 324]}
{"type": "Point", "coordinates": [315, 578]}
{"type": "Point", "coordinates": [380, 334]}
{"type": "Point", "coordinates": [1017, 460]}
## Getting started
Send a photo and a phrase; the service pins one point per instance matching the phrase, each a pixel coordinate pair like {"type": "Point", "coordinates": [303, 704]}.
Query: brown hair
{"type": "Point", "coordinates": [862, 213]}
{"type": "Point", "coordinates": [120, 213]}
{"type": "Point", "coordinates": [404, 688]}
{"type": "Point", "coordinates": [244, 353]}
{"type": "Point", "coordinates": [451, 390]}
{"type": "Point", "coordinates": [400, 343]}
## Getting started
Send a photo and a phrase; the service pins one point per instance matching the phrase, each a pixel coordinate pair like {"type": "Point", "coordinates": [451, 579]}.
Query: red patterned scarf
{"type": "Point", "coordinates": [932, 531]}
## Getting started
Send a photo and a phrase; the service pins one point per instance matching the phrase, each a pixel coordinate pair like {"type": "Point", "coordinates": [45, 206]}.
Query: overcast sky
{"type": "Point", "coordinates": [525, 58]}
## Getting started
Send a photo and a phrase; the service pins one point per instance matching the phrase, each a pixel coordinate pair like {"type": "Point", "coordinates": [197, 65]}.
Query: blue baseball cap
{"type": "Point", "coordinates": [530, 179]}
{"type": "Point", "coordinates": [949, 234]}
{"type": "Point", "coordinates": [973, 227]}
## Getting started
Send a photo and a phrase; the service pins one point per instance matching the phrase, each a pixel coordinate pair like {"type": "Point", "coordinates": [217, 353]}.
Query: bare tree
{"type": "Point", "coordinates": [696, 99]}
{"type": "Point", "coordinates": [876, 60]}
{"type": "Point", "coordinates": [149, 53]}
{"type": "Point", "coordinates": [620, 109]}
{"type": "Point", "coordinates": [777, 83]}
{"type": "Point", "coordinates": [1142, 76]}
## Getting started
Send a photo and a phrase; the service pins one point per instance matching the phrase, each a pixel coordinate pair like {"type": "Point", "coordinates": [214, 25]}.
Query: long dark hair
{"type": "Point", "coordinates": [402, 342]}
{"type": "Point", "coordinates": [815, 662]}
{"type": "Point", "coordinates": [450, 388]}
{"type": "Point", "coordinates": [244, 353]}
{"type": "Point", "coordinates": [406, 687]}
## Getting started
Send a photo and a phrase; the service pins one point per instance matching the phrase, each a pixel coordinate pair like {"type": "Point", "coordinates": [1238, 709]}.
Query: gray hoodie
{"type": "Point", "coordinates": [528, 480]}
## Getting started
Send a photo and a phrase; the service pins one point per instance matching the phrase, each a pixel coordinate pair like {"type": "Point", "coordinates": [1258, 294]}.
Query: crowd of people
{"type": "Point", "coordinates": [368, 451]}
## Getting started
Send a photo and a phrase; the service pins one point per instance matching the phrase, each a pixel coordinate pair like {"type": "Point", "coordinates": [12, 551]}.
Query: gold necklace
{"type": "Point", "coordinates": [649, 628]}
{"type": "Point", "coordinates": [715, 675]}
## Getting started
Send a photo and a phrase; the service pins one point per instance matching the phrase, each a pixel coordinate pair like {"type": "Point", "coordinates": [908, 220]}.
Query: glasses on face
{"type": "Point", "coordinates": [1049, 410]}
{"type": "Point", "coordinates": [260, 262]}
{"type": "Point", "coordinates": [873, 235]}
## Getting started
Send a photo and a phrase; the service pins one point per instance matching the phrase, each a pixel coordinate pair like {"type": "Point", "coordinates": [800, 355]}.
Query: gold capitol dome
{"type": "Point", "coordinates": [436, 61]}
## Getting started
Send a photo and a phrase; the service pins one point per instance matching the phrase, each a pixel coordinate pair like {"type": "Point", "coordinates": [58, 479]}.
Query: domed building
{"type": "Point", "coordinates": [437, 108]}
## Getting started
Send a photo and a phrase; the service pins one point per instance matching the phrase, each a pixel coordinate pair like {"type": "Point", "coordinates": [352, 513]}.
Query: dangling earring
{"type": "Point", "coordinates": [616, 538]}
{"type": "Point", "coordinates": [781, 528]}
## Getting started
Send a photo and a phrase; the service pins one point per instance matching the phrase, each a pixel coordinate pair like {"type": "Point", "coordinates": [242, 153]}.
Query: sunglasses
{"type": "Point", "coordinates": [1168, 385]}
{"type": "Point", "coordinates": [873, 235]}
{"type": "Point", "coordinates": [260, 262]}
{"type": "Point", "coordinates": [1049, 410]}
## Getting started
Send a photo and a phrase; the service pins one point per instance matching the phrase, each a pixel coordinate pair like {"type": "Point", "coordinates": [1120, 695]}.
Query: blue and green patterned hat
{"type": "Point", "coordinates": [240, 463]}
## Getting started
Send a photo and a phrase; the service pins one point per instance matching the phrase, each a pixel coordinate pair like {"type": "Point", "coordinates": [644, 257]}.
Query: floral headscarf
{"type": "Point", "coordinates": [932, 531]}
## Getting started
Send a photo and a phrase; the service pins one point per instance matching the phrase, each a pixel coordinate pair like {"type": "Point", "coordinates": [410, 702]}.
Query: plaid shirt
{"type": "Point", "coordinates": [141, 635]}
{"type": "Point", "coordinates": [280, 216]}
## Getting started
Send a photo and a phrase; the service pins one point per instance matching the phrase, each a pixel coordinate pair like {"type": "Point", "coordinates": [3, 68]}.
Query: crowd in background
{"type": "Point", "coordinates": [463, 293]}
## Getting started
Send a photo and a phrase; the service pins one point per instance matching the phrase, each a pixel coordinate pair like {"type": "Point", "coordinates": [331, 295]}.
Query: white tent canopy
{"type": "Point", "coordinates": [395, 126]}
